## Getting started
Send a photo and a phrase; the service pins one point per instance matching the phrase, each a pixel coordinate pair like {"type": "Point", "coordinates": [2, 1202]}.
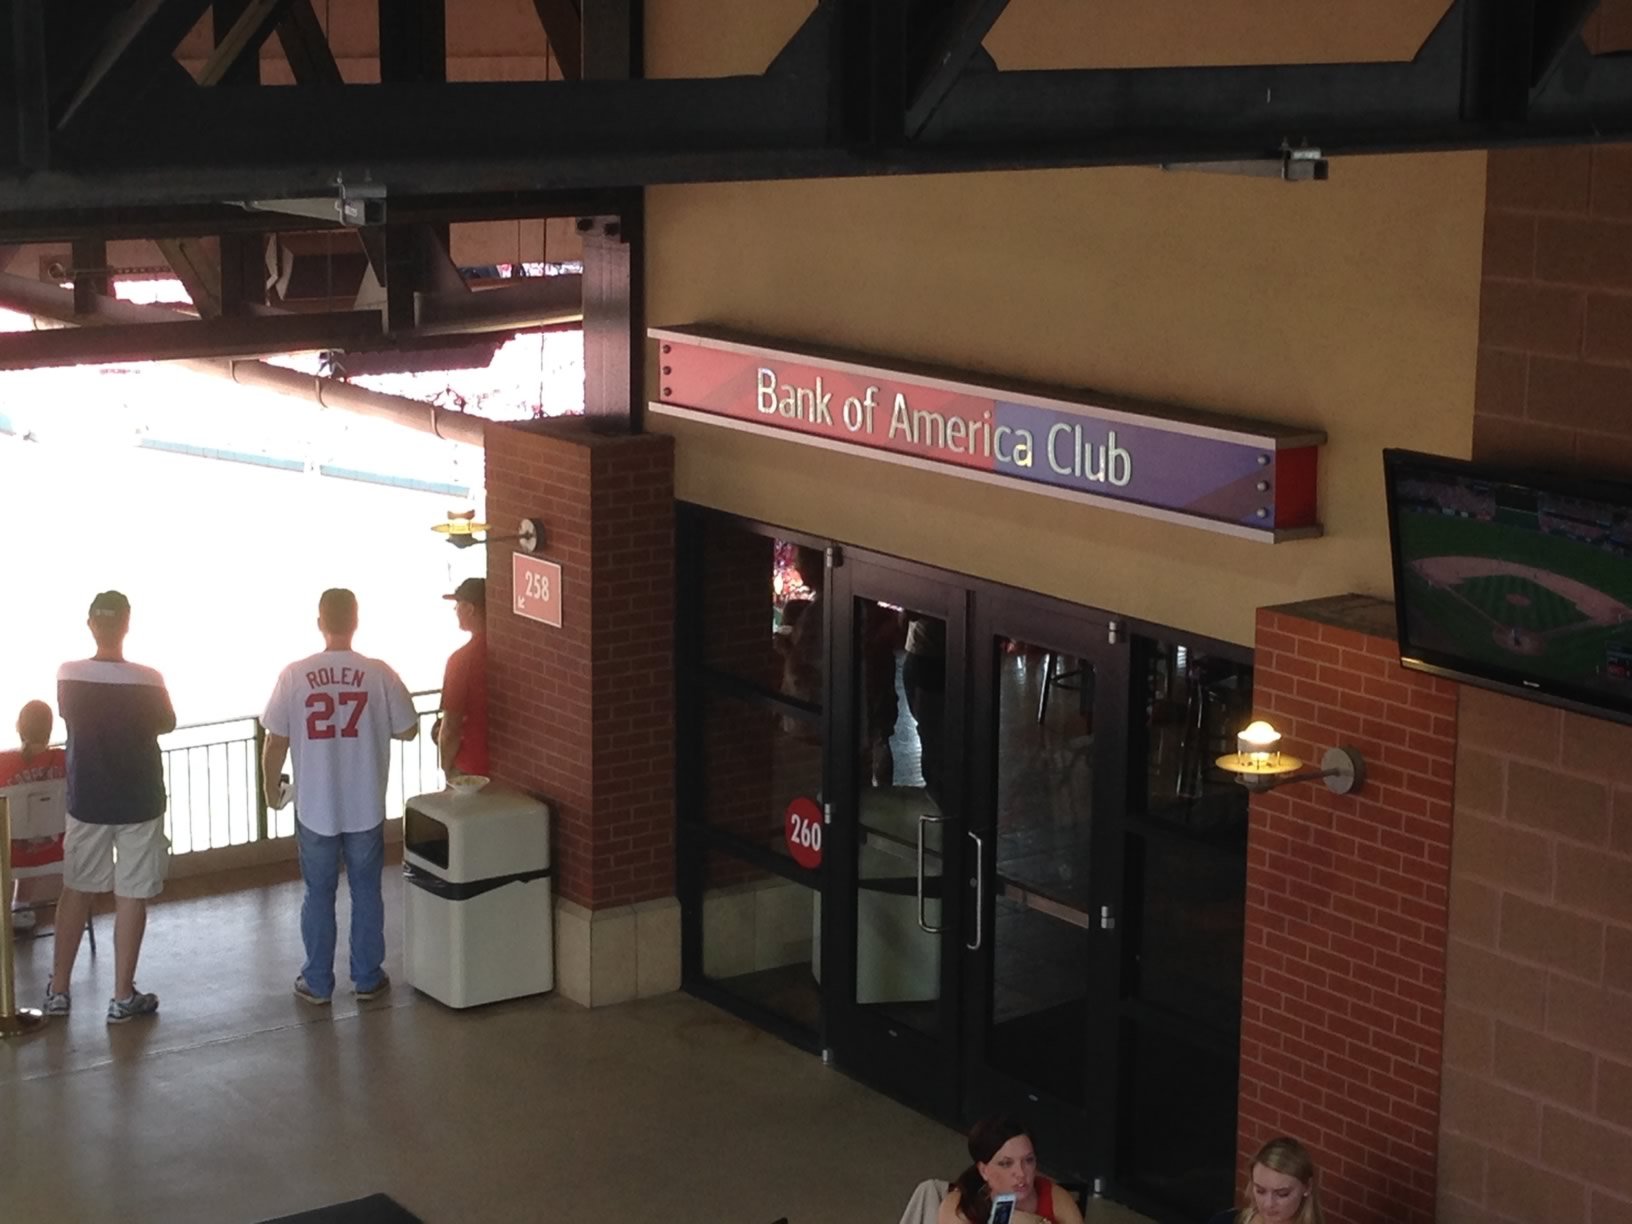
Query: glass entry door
{"type": "Point", "coordinates": [1048, 749]}
{"type": "Point", "coordinates": [898, 833]}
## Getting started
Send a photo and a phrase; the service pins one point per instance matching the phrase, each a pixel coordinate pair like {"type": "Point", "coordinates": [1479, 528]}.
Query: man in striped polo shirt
{"type": "Point", "coordinates": [115, 711]}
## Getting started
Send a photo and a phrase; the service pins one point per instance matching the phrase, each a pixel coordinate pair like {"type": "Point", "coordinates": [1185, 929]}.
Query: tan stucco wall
{"type": "Point", "coordinates": [1350, 305]}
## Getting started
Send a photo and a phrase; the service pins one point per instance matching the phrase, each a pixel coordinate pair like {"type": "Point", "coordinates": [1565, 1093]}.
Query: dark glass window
{"type": "Point", "coordinates": [1195, 704]}
{"type": "Point", "coordinates": [761, 938]}
{"type": "Point", "coordinates": [762, 612]}
{"type": "Point", "coordinates": [1177, 1133]}
{"type": "Point", "coordinates": [1184, 901]}
{"type": "Point", "coordinates": [756, 760]}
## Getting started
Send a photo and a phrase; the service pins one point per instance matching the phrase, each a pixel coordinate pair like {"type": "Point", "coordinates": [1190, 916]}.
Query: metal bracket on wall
{"type": "Point", "coordinates": [361, 204]}
{"type": "Point", "coordinates": [1294, 166]}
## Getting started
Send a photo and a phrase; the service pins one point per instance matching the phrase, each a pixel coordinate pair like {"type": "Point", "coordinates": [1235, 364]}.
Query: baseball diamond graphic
{"type": "Point", "coordinates": [1523, 605]}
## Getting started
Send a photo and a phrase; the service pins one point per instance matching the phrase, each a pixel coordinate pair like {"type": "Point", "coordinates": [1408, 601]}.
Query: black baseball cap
{"type": "Point", "coordinates": [471, 591]}
{"type": "Point", "coordinates": [110, 603]}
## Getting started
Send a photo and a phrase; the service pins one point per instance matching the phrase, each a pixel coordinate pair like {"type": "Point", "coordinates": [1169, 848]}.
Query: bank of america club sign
{"type": "Point", "coordinates": [1225, 474]}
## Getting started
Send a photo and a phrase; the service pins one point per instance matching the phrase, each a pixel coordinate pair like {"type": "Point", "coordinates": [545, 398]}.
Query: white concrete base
{"type": "Point", "coordinates": [614, 955]}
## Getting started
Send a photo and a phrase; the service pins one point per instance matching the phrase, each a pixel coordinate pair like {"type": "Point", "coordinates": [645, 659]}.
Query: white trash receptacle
{"type": "Point", "coordinates": [478, 923]}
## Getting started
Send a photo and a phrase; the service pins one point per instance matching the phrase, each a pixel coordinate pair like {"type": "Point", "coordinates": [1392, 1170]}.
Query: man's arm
{"type": "Point", "coordinates": [453, 731]}
{"type": "Point", "coordinates": [400, 707]}
{"type": "Point", "coordinates": [165, 716]}
{"type": "Point", "coordinates": [273, 754]}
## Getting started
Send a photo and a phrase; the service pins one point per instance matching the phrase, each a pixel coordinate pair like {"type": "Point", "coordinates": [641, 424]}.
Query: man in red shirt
{"type": "Point", "coordinates": [34, 762]}
{"type": "Point", "coordinates": [462, 740]}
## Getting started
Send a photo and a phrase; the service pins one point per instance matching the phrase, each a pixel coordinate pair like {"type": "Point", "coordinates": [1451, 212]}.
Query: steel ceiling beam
{"type": "Point", "coordinates": [50, 302]}
{"type": "Point", "coordinates": [108, 330]}
{"type": "Point", "coordinates": [145, 33]}
{"type": "Point", "coordinates": [192, 338]}
{"type": "Point", "coordinates": [521, 304]}
{"type": "Point", "coordinates": [955, 48]}
{"type": "Point", "coordinates": [306, 47]}
{"type": "Point", "coordinates": [191, 220]}
{"type": "Point", "coordinates": [613, 39]}
{"type": "Point", "coordinates": [1465, 89]}
{"type": "Point", "coordinates": [239, 46]}
{"type": "Point", "coordinates": [612, 292]}
{"type": "Point", "coordinates": [413, 40]}
{"type": "Point", "coordinates": [199, 270]}
{"type": "Point", "coordinates": [563, 23]}
{"type": "Point", "coordinates": [30, 84]}
{"type": "Point", "coordinates": [1557, 30]}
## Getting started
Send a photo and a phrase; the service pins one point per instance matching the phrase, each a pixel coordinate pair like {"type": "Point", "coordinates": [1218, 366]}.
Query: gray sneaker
{"type": "Point", "coordinates": [139, 1004]}
{"type": "Point", "coordinates": [56, 1003]}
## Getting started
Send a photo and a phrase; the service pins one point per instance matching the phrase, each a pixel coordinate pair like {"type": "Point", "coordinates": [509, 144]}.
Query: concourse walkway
{"type": "Point", "coordinates": [238, 1102]}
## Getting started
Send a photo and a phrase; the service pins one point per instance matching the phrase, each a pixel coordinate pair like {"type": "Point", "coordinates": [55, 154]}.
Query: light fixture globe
{"type": "Point", "coordinates": [1259, 764]}
{"type": "Point", "coordinates": [1258, 759]}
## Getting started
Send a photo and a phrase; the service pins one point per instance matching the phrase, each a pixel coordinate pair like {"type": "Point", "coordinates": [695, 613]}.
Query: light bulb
{"type": "Point", "coordinates": [1259, 742]}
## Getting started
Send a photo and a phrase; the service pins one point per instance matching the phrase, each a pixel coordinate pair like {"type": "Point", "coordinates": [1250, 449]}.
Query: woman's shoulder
{"type": "Point", "coordinates": [1056, 1203]}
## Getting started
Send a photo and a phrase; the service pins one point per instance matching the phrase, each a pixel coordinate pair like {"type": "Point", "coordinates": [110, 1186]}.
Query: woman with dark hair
{"type": "Point", "coordinates": [1280, 1189]}
{"type": "Point", "coordinates": [1005, 1163]}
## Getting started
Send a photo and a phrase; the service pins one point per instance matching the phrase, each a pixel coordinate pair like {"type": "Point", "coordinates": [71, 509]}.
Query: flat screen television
{"type": "Point", "coordinates": [1514, 580]}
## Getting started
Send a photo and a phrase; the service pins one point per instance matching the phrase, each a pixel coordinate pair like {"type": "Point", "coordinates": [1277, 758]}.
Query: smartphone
{"type": "Point", "coordinates": [1002, 1209]}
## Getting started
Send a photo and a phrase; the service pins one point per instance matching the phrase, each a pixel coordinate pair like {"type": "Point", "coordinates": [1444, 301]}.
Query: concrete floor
{"type": "Point", "coordinates": [238, 1102]}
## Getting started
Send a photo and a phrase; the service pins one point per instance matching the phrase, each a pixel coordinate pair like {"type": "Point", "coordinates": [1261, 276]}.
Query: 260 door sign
{"type": "Point", "coordinates": [536, 590]}
{"type": "Point", "coordinates": [802, 829]}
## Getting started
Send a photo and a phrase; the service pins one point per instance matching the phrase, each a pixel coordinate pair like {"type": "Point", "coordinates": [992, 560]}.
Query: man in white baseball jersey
{"type": "Point", "coordinates": [338, 711]}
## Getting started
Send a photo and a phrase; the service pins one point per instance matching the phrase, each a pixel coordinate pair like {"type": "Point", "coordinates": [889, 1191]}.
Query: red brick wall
{"type": "Point", "coordinates": [1344, 972]}
{"type": "Point", "coordinates": [583, 715]}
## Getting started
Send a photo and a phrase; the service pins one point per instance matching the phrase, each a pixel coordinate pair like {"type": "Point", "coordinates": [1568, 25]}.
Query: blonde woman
{"type": "Point", "coordinates": [1281, 1188]}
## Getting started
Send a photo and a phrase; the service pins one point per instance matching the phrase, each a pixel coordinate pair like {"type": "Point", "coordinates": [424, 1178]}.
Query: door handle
{"type": "Point", "coordinates": [923, 922]}
{"type": "Point", "coordinates": [980, 893]}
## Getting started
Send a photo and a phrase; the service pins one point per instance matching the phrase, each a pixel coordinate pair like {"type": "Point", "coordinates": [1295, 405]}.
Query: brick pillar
{"type": "Point", "coordinates": [1537, 1121]}
{"type": "Point", "coordinates": [583, 715]}
{"type": "Point", "coordinates": [1347, 901]}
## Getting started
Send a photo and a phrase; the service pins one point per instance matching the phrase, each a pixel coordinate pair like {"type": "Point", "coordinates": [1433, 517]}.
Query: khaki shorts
{"type": "Point", "coordinates": [129, 860]}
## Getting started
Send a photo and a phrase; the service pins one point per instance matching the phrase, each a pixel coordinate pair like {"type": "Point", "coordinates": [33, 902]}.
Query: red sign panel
{"type": "Point", "coordinates": [537, 590]}
{"type": "Point", "coordinates": [802, 829]}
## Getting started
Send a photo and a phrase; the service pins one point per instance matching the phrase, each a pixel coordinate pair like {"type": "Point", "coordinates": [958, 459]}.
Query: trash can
{"type": "Point", "coordinates": [478, 925]}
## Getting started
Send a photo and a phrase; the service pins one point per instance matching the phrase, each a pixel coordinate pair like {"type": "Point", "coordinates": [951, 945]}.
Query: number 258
{"type": "Point", "coordinates": [538, 586]}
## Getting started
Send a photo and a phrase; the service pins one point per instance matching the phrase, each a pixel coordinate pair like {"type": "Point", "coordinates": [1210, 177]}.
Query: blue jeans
{"type": "Point", "coordinates": [320, 857]}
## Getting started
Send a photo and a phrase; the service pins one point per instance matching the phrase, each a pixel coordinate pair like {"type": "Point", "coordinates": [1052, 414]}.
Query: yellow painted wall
{"type": "Point", "coordinates": [1351, 305]}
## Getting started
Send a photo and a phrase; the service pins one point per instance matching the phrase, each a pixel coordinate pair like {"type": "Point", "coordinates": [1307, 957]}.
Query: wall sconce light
{"type": "Point", "coordinates": [1259, 764]}
{"type": "Point", "coordinates": [461, 531]}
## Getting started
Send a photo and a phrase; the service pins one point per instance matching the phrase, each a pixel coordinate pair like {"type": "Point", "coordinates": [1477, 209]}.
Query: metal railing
{"type": "Point", "coordinates": [212, 781]}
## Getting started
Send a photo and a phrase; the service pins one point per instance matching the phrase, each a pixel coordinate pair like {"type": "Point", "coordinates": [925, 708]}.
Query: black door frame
{"type": "Point", "coordinates": [1079, 1140]}
{"type": "Point", "coordinates": [917, 1068]}
{"type": "Point", "coordinates": [983, 606]}
{"type": "Point", "coordinates": [694, 837]}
